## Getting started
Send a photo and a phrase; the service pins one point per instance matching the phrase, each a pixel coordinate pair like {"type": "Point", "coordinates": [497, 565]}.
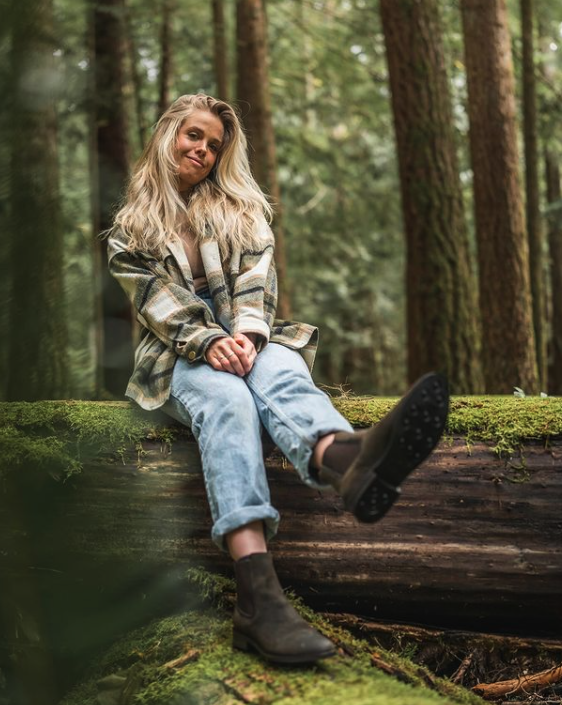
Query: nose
{"type": "Point", "coordinates": [201, 147]}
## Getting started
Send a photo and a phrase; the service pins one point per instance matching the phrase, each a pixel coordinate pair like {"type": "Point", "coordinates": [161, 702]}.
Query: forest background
{"type": "Point", "coordinates": [414, 164]}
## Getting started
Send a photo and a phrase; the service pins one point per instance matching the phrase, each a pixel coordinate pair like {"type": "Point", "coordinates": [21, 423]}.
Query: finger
{"type": "Point", "coordinates": [229, 356]}
{"type": "Point", "coordinates": [238, 357]}
{"type": "Point", "coordinates": [225, 357]}
{"type": "Point", "coordinates": [245, 358]}
{"type": "Point", "coordinates": [249, 349]}
{"type": "Point", "coordinates": [245, 342]}
{"type": "Point", "coordinates": [236, 362]}
{"type": "Point", "coordinates": [216, 363]}
{"type": "Point", "coordinates": [251, 353]}
{"type": "Point", "coordinates": [217, 356]}
{"type": "Point", "coordinates": [215, 352]}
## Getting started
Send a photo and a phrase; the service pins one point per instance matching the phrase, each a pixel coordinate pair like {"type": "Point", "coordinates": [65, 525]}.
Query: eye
{"type": "Point", "coordinates": [192, 135]}
{"type": "Point", "coordinates": [214, 148]}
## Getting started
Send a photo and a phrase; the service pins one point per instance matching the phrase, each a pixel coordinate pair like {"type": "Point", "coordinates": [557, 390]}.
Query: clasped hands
{"type": "Point", "coordinates": [235, 355]}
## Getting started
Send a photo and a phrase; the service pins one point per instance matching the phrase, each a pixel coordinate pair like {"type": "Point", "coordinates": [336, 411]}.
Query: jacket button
{"type": "Point", "coordinates": [192, 355]}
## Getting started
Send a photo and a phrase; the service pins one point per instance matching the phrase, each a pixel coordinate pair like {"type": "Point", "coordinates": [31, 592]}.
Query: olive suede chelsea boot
{"type": "Point", "coordinates": [367, 467]}
{"type": "Point", "coordinates": [265, 621]}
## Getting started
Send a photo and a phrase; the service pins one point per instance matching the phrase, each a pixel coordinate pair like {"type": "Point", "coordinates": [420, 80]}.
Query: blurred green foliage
{"type": "Point", "coordinates": [337, 164]}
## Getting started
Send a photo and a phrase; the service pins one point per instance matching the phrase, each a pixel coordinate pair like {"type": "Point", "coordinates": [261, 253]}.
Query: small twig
{"type": "Point", "coordinates": [231, 689]}
{"type": "Point", "coordinates": [188, 657]}
{"type": "Point", "coordinates": [378, 662]}
{"type": "Point", "coordinates": [490, 691]}
{"type": "Point", "coordinates": [458, 675]}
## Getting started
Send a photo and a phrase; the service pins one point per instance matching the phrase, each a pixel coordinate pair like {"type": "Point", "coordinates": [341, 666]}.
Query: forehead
{"type": "Point", "coordinates": [204, 120]}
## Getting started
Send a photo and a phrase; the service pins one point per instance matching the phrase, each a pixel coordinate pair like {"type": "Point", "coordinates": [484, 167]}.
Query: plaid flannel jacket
{"type": "Point", "coordinates": [175, 322]}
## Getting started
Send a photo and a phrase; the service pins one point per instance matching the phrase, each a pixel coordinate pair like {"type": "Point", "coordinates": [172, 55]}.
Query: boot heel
{"type": "Point", "coordinates": [239, 641]}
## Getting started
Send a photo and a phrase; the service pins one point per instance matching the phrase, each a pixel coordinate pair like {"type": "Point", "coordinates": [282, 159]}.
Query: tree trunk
{"type": "Point", "coordinates": [462, 515]}
{"type": "Point", "coordinates": [38, 334]}
{"type": "Point", "coordinates": [534, 221]}
{"type": "Point", "coordinates": [443, 331]}
{"type": "Point", "coordinates": [112, 171]}
{"type": "Point", "coordinates": [473, 542]}
{"type": "Point", "coordinates": [220, 55]}
{"type": "Point", "coordinates": [255, 102]}
{"type": "Point", "coordinates": [165, 57]}
{"type": "Point", "coordinates": [307, 56]}
{"type": "Point", "coordinates": [554, 195]}
{"type": "Point", "coordinates": [509, 353]}
{"type": "Point", "coordinates": [136, 78]}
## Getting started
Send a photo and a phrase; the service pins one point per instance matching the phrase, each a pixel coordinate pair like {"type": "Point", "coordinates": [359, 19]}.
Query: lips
{"type": "Point", "coordinates": [195, 160]}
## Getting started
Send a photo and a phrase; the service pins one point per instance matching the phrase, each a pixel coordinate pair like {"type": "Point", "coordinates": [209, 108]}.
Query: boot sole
{"type": "Point", "coordinates": [244, 643]}
{"type": "Point", "coordinates": [372, 488]}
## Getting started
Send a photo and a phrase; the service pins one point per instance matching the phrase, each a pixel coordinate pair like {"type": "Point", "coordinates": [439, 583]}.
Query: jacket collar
{"type": "Point", "coordinates": [176, 249]}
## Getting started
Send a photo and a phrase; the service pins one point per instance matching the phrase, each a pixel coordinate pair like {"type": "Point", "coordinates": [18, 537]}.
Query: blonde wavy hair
{"type": "Point", "coordinates": [228, 205]}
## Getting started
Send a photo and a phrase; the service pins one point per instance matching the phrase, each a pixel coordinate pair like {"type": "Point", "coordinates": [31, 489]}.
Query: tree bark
{"type": "Point", "coordinates": [220, 53]}
{"type": "Point", "coordinates": [534, 220]}
{"type": "Point", "coordinates": [112, 171]}
{"type": "Point", "coordinates": [473, 542]}
{"type": "Point", "coordinates": [255, 102]}
{"type": "Point", "coordinates": [443, 330]}
{"type": "Point", "coordinates": [136, 78]}
{"type": "Point", "coordinates": [509, 353]}
{"type": "Point", "coordinates": [165, 77]}
{"type": "Point", "coordinates": [554, 195]}
{"type": "Point", "coordinates": [38, 334]}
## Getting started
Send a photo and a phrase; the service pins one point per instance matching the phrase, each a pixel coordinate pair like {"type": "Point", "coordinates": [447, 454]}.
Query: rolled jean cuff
{"type": "Point", "coordinates": [306, 451]}
{"type": "Point", "coordinates": [241, 517]}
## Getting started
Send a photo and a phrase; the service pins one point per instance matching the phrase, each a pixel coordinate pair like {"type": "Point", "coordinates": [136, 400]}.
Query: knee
{"type": "Point", "coordinates": [228, 405]}
{"type": "Point", "coordinates": [278, 363]}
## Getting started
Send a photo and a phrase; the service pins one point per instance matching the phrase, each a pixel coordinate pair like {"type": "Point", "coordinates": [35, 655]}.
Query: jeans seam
{"type": "Point", "coordinates": [185, 405]}
{"type": "Point", "coordinates": [285, 419]}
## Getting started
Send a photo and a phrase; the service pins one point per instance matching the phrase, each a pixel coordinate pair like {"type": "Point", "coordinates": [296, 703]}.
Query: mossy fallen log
{"type": "Point", "coordinates": [188, 659]}
{"type": "Point", "coordinates": [473, 542]}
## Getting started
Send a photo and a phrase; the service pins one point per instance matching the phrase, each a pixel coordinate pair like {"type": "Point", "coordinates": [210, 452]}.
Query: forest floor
{"type": "Point", "coordinates": [187, 659]}
{"type": "Point", "coordinates": [503, 668]}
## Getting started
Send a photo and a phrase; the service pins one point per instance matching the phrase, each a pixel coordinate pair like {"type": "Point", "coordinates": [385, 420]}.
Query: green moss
{"type": "Point", "coordinates": [17, 448]}
{"type": "Point", "coordinates": [59, 435]}
{"type": "Point", "coordinates": [211, 586]}
{"type": "Point", "coordinates": [504, 422]}
{"type": "Point", "coordinates": [212, 672]}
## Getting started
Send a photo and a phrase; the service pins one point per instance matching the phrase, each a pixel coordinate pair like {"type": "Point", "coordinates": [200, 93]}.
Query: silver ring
{"type": "Point", "coordinates": [231, 355]}
{"type": "Point", "coordinates": [222, 357]}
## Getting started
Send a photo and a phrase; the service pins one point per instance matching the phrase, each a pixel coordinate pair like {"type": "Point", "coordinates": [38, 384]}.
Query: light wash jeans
{"type": "Point", "coordinates": [226, 413]}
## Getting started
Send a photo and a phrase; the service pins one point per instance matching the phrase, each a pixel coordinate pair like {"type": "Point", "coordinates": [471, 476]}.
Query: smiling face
{"type": "Point", "coordinates": [198, 144]}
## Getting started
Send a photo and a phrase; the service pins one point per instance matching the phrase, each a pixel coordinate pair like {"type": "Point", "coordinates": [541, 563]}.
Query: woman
{"type": "Point", "coordinates": [193, 250]}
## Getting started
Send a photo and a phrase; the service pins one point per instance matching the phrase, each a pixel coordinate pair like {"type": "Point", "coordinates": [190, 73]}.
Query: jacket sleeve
{"type": "Point", "coordinates": [174, 314]}
{"type": "Point", "coordinates": [254, 296]}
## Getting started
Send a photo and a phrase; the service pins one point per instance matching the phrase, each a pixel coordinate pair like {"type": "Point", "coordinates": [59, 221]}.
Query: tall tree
{"type": "Point", "coordinates": [509, 353]}
{"type": "Point", "coordinates": [554, 196]}
{"type": "Point", "coordinates": [534, 223]}
{"type": "Point", "coordinates": [254, 98]}
{"type": "Point", "coordinates": [220, 53]}
{"type": "Point", "coordinates": [165, 76]}
{"type": "Point", "coordinates": [550, 134]}
{"type": "Point", "coordinates": [111, 138]}
{"type": "Point", "coordinates": [136, 78]}
{"type": "Point", "coordinates": [38, 344]}
{"type": "Point", "coordinates": [443, 331]}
